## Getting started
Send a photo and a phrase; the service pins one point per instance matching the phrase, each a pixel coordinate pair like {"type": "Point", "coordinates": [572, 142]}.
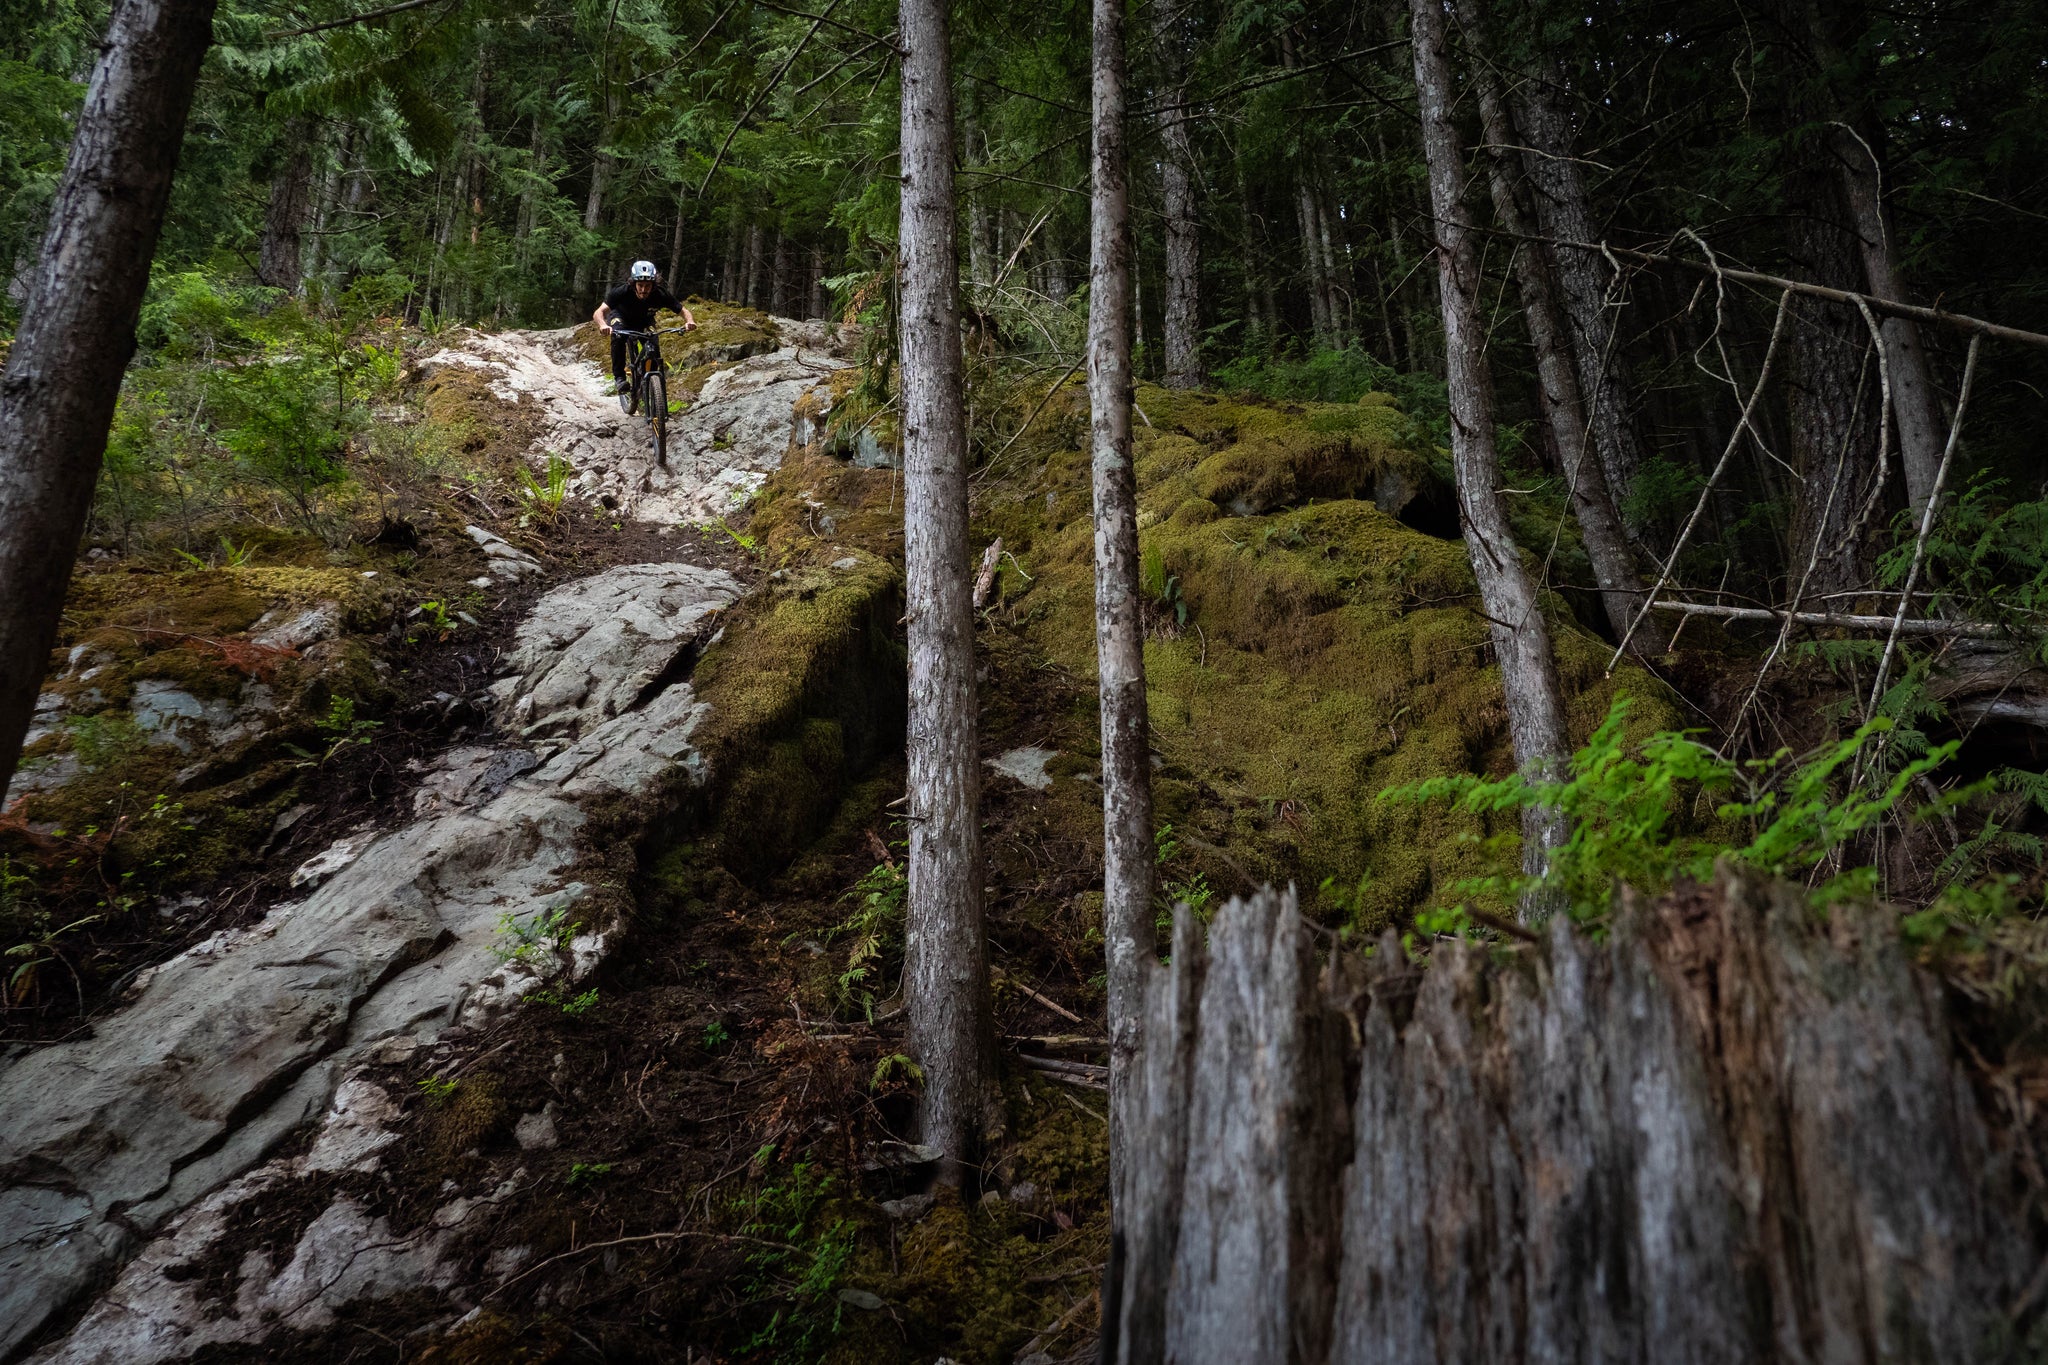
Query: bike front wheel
{"type": "Point", "coordinates": [656, 399]}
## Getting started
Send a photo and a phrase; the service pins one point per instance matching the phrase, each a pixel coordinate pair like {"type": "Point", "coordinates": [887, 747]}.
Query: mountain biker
{"type": "Point", "coordinates": [633, 305]}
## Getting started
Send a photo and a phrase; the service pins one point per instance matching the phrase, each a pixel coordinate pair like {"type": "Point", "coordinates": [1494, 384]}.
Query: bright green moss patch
{"type": "Point", "coordinates": [1299, 660]}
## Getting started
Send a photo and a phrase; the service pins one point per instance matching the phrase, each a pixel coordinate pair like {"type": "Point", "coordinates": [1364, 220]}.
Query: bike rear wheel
{"type": "Point", "coordinates": [656, 399]}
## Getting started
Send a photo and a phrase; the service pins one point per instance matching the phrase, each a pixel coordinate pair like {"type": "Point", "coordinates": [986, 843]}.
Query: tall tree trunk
{"type": "Point", "coordinates": [820, 305]}
{"type": "Point", "coordinates": [945, 986]}
{"type": "Point", "coordinates": [1127, 849]}
{"type": "Point", "coordinates": [529, 193]}
{"type": "Point", "coordinates": [1181, 319]}
{"type": "Point", "coordinates": [1336, 269]}
{"type": "Point", "coordinates": [1614, 564]}
{"type": "Point", "coordinates": [779, 284]}
{"type": "Point", "coordinates": [732, 284]}
{"type": "Point", "coordinates": [1321, 322]}
{"type": "Point", "coordinates": [1914, 402]}
{"type": "Point", "coordinates": [1521, 637]}
{"type": "Point", "coordinates": [756, 265]}
{"type": "Point", "coordinates": [593, 207]}
{"type": "Point", "coordinates": [1564, 210]}
{"type": "Point", "coordinates": [1834, 383]}
{"type": "Point", "coordinates": [675, 246]}
{"type": "Point", "coordinates": [284, 222]}
{"type": "Point", "coordinates": [78, 328]}
{"type": "Point", "coordinates": [981, 253]}
{"type": "Point", "coordinates": [325, 202]}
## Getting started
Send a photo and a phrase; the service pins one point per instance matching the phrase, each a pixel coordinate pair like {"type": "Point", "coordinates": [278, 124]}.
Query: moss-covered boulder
{"type": "Point", "coordinates": [1307, 648]}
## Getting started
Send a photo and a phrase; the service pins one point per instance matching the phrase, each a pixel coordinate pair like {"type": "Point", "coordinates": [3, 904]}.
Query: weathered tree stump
{"type": "Point", "coordinates": [1734, 1131]}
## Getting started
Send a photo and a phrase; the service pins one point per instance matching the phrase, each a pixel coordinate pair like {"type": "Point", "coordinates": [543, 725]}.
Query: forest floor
{"type": "Point", "coordinates": [627, 776]}
{"type": "Point", "coordinates": [689, 1153]}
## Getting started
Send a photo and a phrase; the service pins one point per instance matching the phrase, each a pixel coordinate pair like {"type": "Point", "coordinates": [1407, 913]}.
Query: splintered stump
{"type": "Point", "coordinates": [1735, 1131]}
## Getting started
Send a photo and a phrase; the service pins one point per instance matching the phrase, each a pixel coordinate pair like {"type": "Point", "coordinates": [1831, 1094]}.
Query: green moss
{"type": "Point", "coordinates": [1329, 651]}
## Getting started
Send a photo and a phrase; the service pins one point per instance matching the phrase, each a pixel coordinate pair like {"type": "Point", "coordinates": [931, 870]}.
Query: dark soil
{"type": "Point", "coordinates": [435, 701]}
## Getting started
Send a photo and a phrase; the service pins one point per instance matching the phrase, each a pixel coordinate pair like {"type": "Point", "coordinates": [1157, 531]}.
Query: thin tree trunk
{"type": "Point", "coordinates": [1137, 274]}
{"type": "Point", "coordinates": [1914, 403]}
{"type": "Point", "coordinates": [324, 205]}
{"type": "Point", "coordinates": [945, 978]}
{"type": "Point", "coordinates": [1521, 637]}
{"type": "Point", "coordinates": [529, 194]}
{"type": "Point", "coordinates": [1614, 564]}
{"type": "Point", "coordinates": [593, 207]}
{"type": "Point", "coordinates": [1336, 271]}
{"type": "Point", "coordinates": [1181, 319]}
{"type": "Point", "coordinates": [1833, 375]}
{"type": "Point", "coordinates": [732, 286]}
{"type": "Point", "coordinates": [981, 255]}
{"type": "Point", "coordinates": [755, 267]}
{"type": "Point", "coordinates": [675, 245]}
{"type": "Point", "coordinates": [778, 290]}
{"type": "Point", "coordinates": [1564, 211]}
{"type": "Point", "coordinates": [78, 328]}
{"type": "Point", "coordinates": [284, 222]}
{"type": "Point", "coordinates": [1127, 850]}
{"type": "Point", "coordinates": [820, 305]}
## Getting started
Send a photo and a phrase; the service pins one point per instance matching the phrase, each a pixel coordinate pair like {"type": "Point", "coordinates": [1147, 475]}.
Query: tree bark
{"type": "Point", "coordinates": [820, 305]}
{"type": "Point", "coordinates": [779, 295]}
{"type": "Point", "coordinates": [315, 263]}
{"type": "Point", "coordinates": [1834, 382]}
{"type": "Point", "coordinates": [1521, 637]}
{"type": "Point", "coordinates": [756, 267]}
{"type": "Point", "coordinates": [593, 209]}
{"type": "Point", "coordinates": [1614, 564]}
{"type": "Point", "coordinates": [1181, 320]}
{"type": "Point", "coordinates": [1914, 403]}
{"type": "Point", "coordinates": [945, 984]}
{"type": "Point", "coordinates": [675, 246]}
{"type": "Point", "coordinates": [529, 193]}
{"type": "Point", "coordinates": [1564, 210]}
{"type": "Point", "coordinates": [284, 222]}
{"type": "Point", "coordinates": [78, 328]}
{"type": "Point", "coordinates": [1731, 1131]}
{"type": "Point", "coordinates": [1128, 854]}
{"type": "Point", "coordinates": [731, 287]}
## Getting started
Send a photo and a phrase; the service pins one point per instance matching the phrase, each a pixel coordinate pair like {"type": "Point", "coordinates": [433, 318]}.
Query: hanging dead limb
{"type": "Point", "coordinates": [1955, 430]}
{"type": "Point", "coordinates": [1742, 425]}
{"type": "Point", "coordinates": [1025, 425]}
{"type": "Point", "coordinates": [826, 19]}
{"type": "Point", "coordinates": [363, 18]}
{"type": "Point", "coordinates": [1919, 626]}
{"type": "Point", "coordinates": [1791, 613]}
{"type": "Point", "coordinates": [818, 20]}
{"type": "Point", "coordinates": [1893, 307]}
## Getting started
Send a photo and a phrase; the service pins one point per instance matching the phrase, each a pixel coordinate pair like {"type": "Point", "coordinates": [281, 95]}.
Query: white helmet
{"type": "Point", "coordinates": [644, 270]}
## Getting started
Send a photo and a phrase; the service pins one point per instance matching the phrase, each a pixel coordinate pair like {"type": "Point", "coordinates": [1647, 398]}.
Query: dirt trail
{"type": "Point", "coordinates": [137, 1144]}
{"type": "Point", "coordinates": [721, 446]}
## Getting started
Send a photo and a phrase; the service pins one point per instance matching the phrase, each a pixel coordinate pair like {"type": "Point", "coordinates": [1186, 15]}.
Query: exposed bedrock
{"type": "Point", "coordinates": [226, 1048]}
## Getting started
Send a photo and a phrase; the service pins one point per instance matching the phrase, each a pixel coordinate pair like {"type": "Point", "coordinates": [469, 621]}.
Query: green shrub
{"type": "Point", "coordinates": [1629, 813]}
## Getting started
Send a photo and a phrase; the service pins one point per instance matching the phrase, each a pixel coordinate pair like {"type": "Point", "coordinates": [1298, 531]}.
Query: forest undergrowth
{"type": "Point", "coordinates": [737, 1168]}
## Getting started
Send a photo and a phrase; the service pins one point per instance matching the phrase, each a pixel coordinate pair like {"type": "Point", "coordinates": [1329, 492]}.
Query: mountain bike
{"type": "Point", "coordinates": [647, 383]}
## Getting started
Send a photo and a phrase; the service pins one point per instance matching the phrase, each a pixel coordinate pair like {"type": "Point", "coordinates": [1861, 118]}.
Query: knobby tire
{"type": "Point", "coordinates": [657, 413]}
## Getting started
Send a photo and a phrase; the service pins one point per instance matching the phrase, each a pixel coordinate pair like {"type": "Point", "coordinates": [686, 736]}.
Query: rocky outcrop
{"type": "Point", "coordinates": [720, 447]}
{"type": "Point", "coordinates": [106, 1139]}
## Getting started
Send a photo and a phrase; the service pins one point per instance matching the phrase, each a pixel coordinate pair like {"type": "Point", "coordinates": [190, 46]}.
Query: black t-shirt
{"type": "Point", "coordinates": [636, 314]}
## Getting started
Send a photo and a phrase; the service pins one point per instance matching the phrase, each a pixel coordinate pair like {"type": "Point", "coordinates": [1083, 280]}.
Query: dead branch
{"type": "Point", "coordinates": [1955, 429]}
{"type": "Point", "coordinates": [1741, 426]}
{"type": "Point", "coordinates": [1975, 629]}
